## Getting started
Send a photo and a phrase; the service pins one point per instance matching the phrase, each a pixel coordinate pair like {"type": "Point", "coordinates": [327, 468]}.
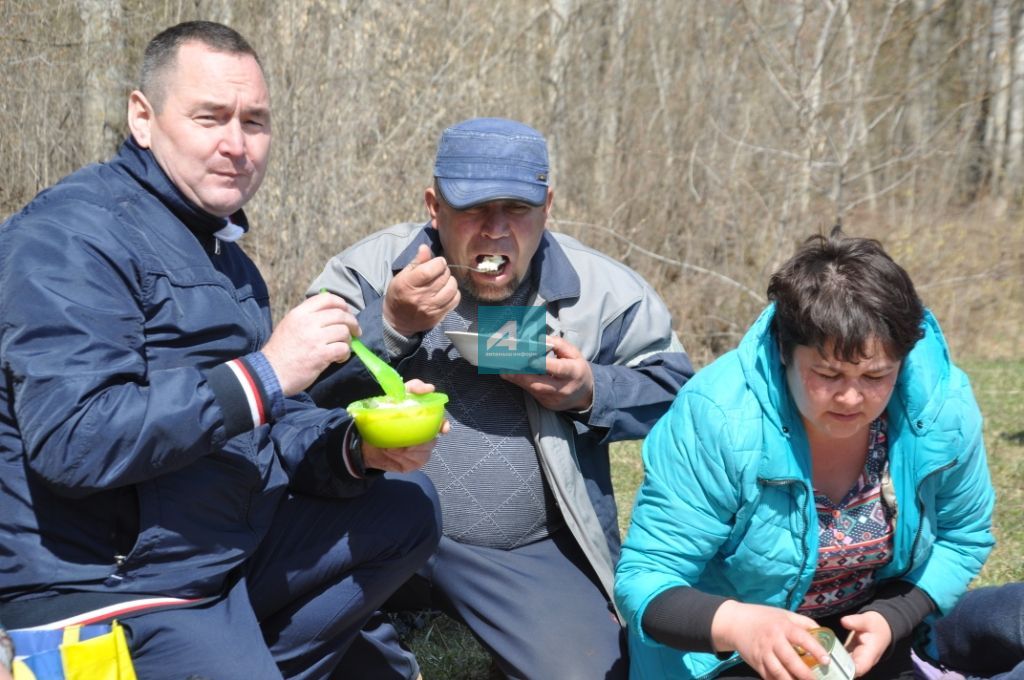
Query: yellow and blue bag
{"type": "Point", "coordinates": [90, 652]}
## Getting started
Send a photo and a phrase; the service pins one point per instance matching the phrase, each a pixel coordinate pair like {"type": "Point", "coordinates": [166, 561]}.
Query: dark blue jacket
{"type": "Point", "coordinates": [124, 468]}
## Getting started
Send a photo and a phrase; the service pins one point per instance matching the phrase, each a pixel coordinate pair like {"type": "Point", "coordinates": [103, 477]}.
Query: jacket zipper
{"type": "Point", "coordinates": [803, 543]}
{"type": "Point", "coordinates": [920, 514]}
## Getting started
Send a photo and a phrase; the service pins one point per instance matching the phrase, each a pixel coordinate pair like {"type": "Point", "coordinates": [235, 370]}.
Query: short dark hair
{"type": "Point", "coordinates": [162, 51]}
{"type": "Point", "coordinates": [838, 292]}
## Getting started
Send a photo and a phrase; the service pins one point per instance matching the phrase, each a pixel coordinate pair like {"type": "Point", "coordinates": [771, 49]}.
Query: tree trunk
{"type": "Point", "coordinates": [606, 166]}
{"type": "Point", "coordinates": [857, 138]}
{"type": "Point", "coordinates": [1015, 142]}
{"type": "Point", "coordinates": [813, 98]}
{"type": "Point", "coordinates": [103, 101]}
{"type": "Point", "coordinates": [1001, 78]}
{"type": "Point", "coordinates": [560, 15]}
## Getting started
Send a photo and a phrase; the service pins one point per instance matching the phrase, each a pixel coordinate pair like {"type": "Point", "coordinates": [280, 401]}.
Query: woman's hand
{"type": "Point", "coordinates": [765, 638]}
{"type": "Point", "coordinates": [871, 637]}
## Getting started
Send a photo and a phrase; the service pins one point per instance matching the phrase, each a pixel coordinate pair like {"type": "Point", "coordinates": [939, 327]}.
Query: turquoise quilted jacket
{"type": "Point", "coordinates": [727, 505]}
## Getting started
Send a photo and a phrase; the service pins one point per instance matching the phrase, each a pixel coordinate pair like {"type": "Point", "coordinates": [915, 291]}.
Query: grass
{"type": "Point", "coordinates": [447, 651]}
{"type": "Point", "coordinates": [999, 387]}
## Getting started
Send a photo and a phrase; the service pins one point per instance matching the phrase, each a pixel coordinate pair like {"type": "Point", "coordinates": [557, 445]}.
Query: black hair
{"type": "Point", "coordinates": [162, 51]}
{"type": "Point", "coordinates": [837, 293]}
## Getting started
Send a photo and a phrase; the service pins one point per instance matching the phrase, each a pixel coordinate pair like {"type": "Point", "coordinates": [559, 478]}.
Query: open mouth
{"type": "Point", "coordinates": [491, 264]}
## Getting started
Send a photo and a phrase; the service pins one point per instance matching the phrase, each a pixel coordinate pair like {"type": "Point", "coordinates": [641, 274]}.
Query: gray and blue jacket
{"type": "Point", "coordinates": [602, 307]}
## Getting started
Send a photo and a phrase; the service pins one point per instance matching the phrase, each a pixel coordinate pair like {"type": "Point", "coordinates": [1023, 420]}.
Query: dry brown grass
{"type": "Point", "coordinates": [968, 267]}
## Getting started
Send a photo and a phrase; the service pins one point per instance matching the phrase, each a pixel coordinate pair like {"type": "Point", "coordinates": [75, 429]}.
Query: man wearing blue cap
{"type": "Point", "coordinates": [530, 528]}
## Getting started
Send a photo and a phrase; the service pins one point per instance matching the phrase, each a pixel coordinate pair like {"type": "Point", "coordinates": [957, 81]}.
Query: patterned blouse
{"type": "Point", "coordinates": [855, 536]}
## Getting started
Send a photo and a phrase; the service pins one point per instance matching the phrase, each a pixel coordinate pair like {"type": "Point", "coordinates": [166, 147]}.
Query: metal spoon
{"type": "Point", "coordinates": [477, 269]}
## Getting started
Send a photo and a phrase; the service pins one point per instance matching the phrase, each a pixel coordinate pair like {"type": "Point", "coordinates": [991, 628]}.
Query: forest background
{"type": "Point", "coordinates": [698, 141]}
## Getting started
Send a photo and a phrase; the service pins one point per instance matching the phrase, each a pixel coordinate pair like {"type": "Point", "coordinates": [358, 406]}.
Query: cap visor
{"type": "Point", "coordinates": [466, 193]}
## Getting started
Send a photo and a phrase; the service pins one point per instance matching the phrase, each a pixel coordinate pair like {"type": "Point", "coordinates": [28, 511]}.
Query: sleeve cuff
{"type": "Point", "coordinates": [599, 413]}
{"type": "Point", "coordinates": [270, 383]}
{"type": "Point", "coordinates": [583, 415]}
{"type": "Point", "coordinates": [396, 344]}
{"type": "Point", "coordinates": [903, 606]}
{"type": "Point", "coordinates": [681, 618]}
{"type": "Point", "coordinates": [247, 391]}
{"type": "Point", "coordinates": [350, 463]}
{"type": "Point", "coordinates": [352, 453]}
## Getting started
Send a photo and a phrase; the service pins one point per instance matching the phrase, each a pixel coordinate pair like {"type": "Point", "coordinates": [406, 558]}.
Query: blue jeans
{"type": "Point", "coordinates": [322, 570]}
{"type": "Point", "coordinates": [983, 635]}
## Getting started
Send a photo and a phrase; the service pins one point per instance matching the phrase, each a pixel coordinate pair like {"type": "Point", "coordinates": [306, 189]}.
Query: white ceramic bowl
{"type": "Point", "coordinates": [468, 345]}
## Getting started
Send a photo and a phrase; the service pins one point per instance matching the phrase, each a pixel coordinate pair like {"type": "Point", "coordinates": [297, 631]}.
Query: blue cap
{"type": "Point", "coordinates": [489, 159]}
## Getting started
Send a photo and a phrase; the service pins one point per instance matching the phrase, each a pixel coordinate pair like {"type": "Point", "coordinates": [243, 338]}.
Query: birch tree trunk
{"type": "Point", "coordinates": [1015, 141]}
{"type": "Point", "coordinates": [606, 165]}
{"type": "Point", "coordinates": [1001, 78]}
{"type": "Point", "coordinates": [560, 14]}
{"type": "Point", "coordinates": [856, 141]}
{"type": "Point", "coordinates": [103, 102]}
{"type": "Point", "coordinates": [813, 97]}
{"type": "Point", "coordinates": [920, 95]}
{"type": "Point", "coordinates": [970, 175]}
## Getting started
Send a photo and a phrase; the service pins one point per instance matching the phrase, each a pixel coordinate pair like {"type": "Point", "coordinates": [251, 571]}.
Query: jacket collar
{"type": "Point", "coordinates": [766, 376]}
{"type": "Point", "coordinates": [924, 378]}
{"type": "Point", "coordinates": [142, 166]}
{"type": "Point", "coordinates": [553, 274]}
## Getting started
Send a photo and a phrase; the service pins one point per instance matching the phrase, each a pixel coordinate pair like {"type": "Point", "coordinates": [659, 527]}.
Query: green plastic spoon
{"type": "Point", "coordinates": [386, 377]}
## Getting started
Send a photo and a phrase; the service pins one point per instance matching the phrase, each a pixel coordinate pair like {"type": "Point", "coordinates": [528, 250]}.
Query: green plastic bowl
{"type": "Point", "coordinates": [387, 425]}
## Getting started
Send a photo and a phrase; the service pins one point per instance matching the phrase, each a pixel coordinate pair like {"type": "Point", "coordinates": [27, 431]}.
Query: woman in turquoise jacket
{"type": "Point", "coordinates": [830, 472]}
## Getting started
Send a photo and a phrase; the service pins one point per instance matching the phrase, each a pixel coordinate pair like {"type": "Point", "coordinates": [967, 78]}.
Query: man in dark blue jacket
{"type": "Point", "coordinates": [159, 461]}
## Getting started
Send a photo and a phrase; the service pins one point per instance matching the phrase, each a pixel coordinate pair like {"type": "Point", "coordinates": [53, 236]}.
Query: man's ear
{"type": "Point", "coordinates": [548, 202]}
{"type": "Point", "coordinates": [433, 204]}
{"type": "Point", "coordinates": [140, 118]}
